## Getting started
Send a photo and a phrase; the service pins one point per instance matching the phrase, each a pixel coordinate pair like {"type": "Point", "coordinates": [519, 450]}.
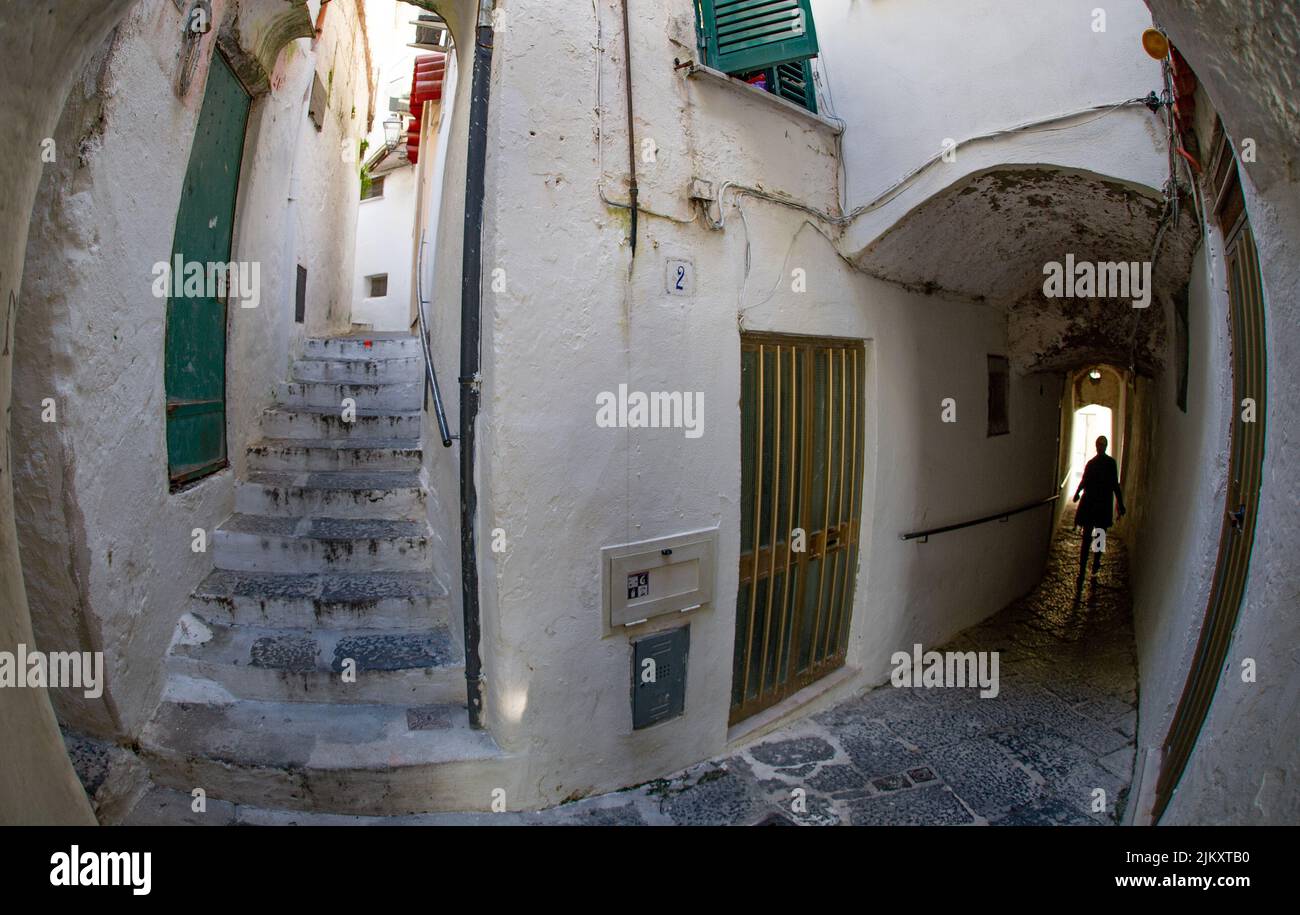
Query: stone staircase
{"type": "Point", "coordinates": [324, 569]}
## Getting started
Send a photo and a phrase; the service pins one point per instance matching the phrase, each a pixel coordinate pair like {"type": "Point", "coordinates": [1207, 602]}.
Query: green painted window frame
{"type": "Point", "coordinates": [791, 81]}
{"type": "Point", "coordinates": [745, 37]}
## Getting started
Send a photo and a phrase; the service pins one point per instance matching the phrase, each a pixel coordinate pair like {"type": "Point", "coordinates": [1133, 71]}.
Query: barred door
{"type": "Point", "coordinates": [801, 462]}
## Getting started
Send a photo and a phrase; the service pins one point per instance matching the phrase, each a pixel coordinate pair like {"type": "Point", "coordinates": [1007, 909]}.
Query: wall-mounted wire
{"type": "Point", "coordinates": [890, 193]}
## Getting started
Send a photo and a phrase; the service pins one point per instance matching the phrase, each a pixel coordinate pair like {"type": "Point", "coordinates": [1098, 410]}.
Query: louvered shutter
{"type": "Point", "coordinates": [745, 35]}
{"type": "Point", "coordinates": [794, 83]}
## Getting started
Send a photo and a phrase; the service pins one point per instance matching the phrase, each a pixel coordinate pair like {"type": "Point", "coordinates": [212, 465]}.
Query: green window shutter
{"type": "Point", "coordinates": [744, 35]}
{"type": "Point", "coordinates": [794, 83]}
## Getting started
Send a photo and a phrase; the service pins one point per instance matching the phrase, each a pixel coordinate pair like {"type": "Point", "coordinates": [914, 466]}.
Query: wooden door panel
{"type": "Point", "coordinates": [195, 358]}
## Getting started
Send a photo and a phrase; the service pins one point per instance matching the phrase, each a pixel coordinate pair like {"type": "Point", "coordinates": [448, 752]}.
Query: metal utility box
{"type": "Point", "coordinates": [669, 575]}
{"type": "Point", "coordinates": [659, 676]}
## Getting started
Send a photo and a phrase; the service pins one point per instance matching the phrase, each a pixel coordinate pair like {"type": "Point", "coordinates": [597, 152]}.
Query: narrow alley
{"type": "Point", "coordinates": [494, 412]}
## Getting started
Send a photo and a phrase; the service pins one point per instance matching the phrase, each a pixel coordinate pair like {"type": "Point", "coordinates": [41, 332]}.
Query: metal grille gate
{"type": "Point", "coordinates": [801, 460]}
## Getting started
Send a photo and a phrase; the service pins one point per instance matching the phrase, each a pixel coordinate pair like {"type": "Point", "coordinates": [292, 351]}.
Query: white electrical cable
{"type": "Point", "coordinates": [893, 191]}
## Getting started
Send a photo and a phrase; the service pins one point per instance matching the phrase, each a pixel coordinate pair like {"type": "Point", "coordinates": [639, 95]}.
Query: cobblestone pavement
{"type": "Point", "coordinates": [1060, 729]}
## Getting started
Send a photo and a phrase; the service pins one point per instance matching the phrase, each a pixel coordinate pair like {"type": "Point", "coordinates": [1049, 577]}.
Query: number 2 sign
{"type": "Point", "coordinates": [679, 277]}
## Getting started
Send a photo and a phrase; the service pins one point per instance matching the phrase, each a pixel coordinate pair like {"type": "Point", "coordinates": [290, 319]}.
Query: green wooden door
{"type": "Point", "coordinates": [195, 363]}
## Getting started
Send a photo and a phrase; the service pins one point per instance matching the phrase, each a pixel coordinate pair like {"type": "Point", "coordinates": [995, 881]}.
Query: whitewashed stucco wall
{"type": "Point", "coordinates": [907, 77]}
{"type": "Point", "coordinates": [442, 190]}
{"type": "Point", "coordinates": [384, 228]}
{"type": "Point", "coordinates": [1243, 767]}
{"type": "Point", "coordinates": [41, 60]}
{"type": "Point", "coordinates": [106, 546]}
{"type": "Point", "coordinates": [1175, 547]}
{"type": "Point", "coordinates": [1248, 730]}
{"type": "Point", "coordinates": [572, 322]}
{"type": "Point", "coordinates": [326, 174]}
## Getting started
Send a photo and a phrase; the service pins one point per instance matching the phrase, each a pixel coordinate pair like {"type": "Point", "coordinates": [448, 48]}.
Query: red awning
{"type": "Point", "coordinates": [426, 86]}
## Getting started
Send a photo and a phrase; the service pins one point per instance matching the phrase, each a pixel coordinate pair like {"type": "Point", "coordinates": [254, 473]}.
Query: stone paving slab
{"type": "Point", "coordinates": [1054, 747]}
{"type": "Point", "coordinates": [1059, 732]}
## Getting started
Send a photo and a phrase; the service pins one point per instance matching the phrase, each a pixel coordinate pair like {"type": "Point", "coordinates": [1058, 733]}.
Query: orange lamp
{"type": "Point", "coordinates": [1155, 43]}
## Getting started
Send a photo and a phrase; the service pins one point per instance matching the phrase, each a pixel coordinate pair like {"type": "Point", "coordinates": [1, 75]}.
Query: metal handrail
{"type": "Point", "coordinates": [923, 536]}
{"type": "Point", "coordinates": [430, 377]}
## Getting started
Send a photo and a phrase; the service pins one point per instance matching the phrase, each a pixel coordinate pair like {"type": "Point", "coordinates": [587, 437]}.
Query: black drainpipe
{"type": "Point", "coordinates": [631, 133]}
{"type": "Point", "coordinates": [471, 276]}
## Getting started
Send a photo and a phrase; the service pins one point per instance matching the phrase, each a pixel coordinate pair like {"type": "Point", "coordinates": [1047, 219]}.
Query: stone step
{"type": "Point", "coordinates": [401, 396]}
{"type": "Point", "coordinates": [377, 346]}
{"type": "Point", "coordinates": [332, 494]}
{"type": "Point", "coordinates": [374, 760]}
{"type": "Point", "coordinates": [328, 423]}
{"type": "Point", "coordinates": [360, 371]}
{"type": "Point", "coordinates": [324, 454]}
{"type": "Point", "coordinates": [370, 600]}
{"type": "Point", "coordinates": [262, 543]}
{"type": "Point", "coordinates": [414, 667]}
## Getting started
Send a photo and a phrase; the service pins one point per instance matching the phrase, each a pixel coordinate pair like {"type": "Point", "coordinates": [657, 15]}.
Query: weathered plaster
{"type": "Point", "coordinates": [907, 77]}
{"type": "Point", "coordinates": [1242, 770]}
{"type": "Point", "coordinates": [257, 35]}
{"type": "Point", "coordinates": [41, 58]}
{"type": "Point", "coordinates": [540, 631]}
{"type": "Point", "coordinates": [107, 546]}
{"type": "Point", "coordinates": [990, 236]}
{"type": "Point", "coordinates": [385, 225]}
{"type": "Point", "coordinates": [572, 321]}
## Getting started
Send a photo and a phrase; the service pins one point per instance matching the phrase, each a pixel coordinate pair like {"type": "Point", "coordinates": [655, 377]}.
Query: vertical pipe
{"type": "Point", "coordinates": [631, 131]}
{"type": "Point", "coordinates": [470, 329]}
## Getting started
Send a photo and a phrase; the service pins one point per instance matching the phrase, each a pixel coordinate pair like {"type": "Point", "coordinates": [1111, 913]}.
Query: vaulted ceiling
{"type": "Point", "coordinates": [989, 237]}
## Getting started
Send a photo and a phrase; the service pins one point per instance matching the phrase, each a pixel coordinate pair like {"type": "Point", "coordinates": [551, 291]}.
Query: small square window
{"type": "Point", "coordinates": [999, 395]}
{"type": "Point", "coordinates": [373, 188]}
{"type": "Point", "coordinates": [378, 285]}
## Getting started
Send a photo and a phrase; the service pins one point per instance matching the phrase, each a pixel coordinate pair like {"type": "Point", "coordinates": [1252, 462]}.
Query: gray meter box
{"type": "Point", "coordinates": [659, 676]}
{"type": "Point", "coordinates": [648, 579]}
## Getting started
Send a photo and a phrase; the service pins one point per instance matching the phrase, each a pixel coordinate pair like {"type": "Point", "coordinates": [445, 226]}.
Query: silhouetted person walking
{"type": "Point", "coordinates": [1100, 485]}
